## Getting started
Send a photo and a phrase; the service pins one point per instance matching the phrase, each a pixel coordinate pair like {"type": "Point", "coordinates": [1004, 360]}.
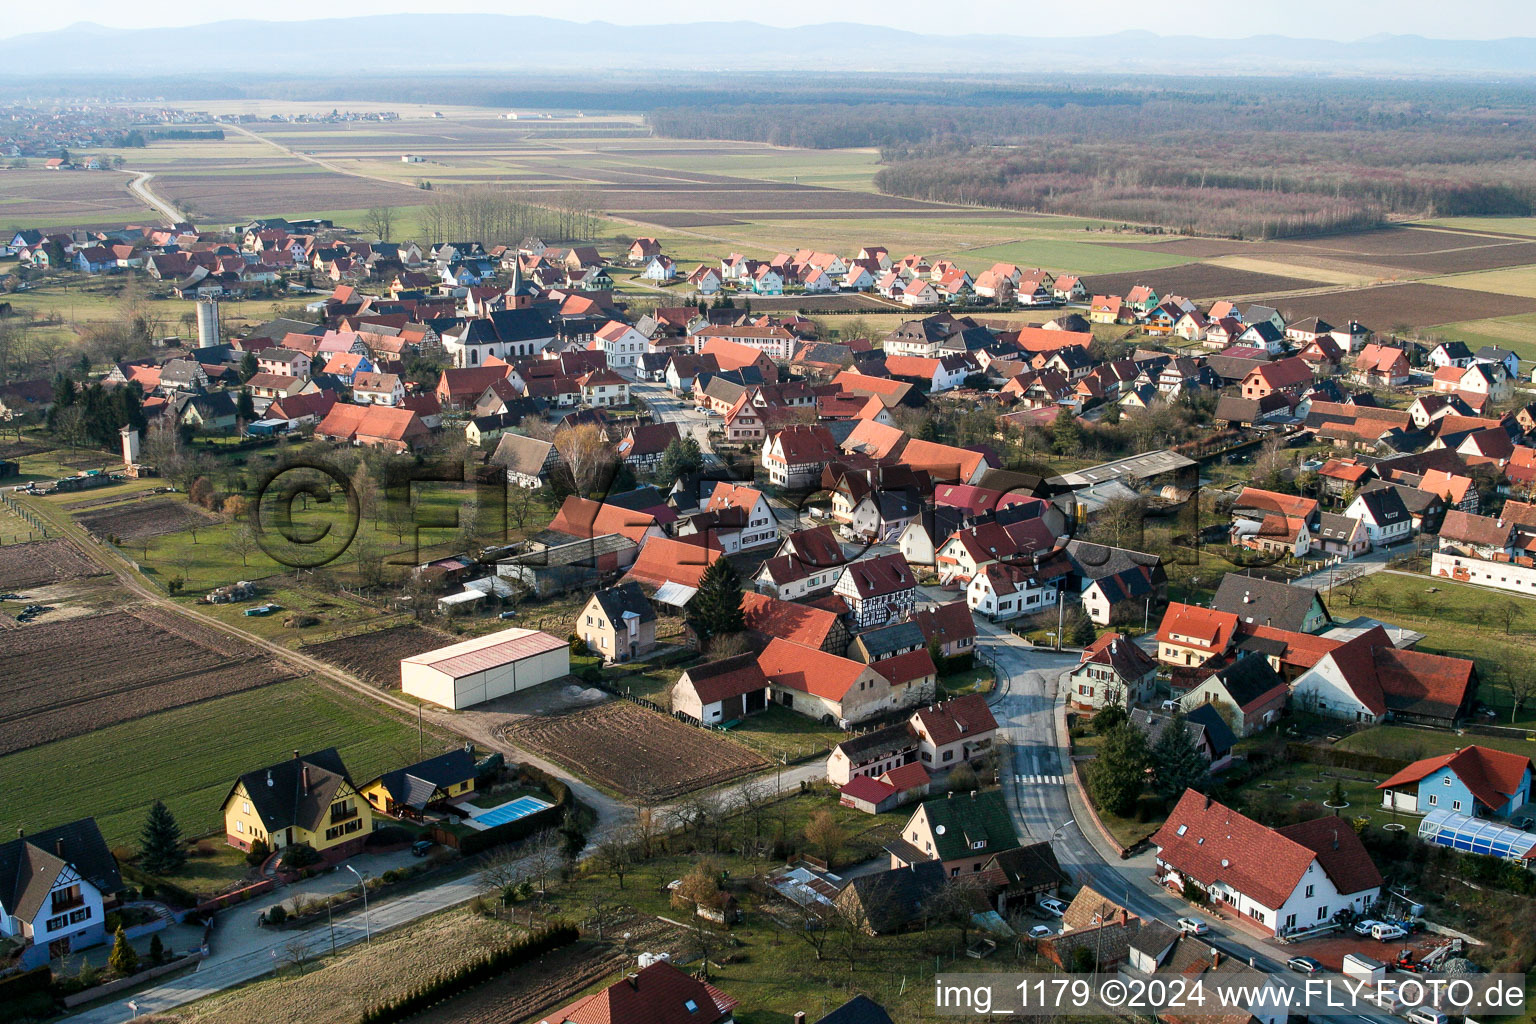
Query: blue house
{"type": "Point", "coordinates": [1475, 781]}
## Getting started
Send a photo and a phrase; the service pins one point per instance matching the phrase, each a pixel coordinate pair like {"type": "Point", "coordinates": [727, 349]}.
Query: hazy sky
{"type": "Point", "coordinates": [1329, 19]}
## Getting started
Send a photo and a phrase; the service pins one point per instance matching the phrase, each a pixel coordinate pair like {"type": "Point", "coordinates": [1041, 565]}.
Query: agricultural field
{"type": "Point", "coordinates": [34, 197]}
{"type": "Point", "coordinates": [628, 749]}
{"type": "Point", "coordinates": [72, 677]}
{"type": "Point", "coordinates": [1199, 281]}
{"type": "Point", "coordinates": [189, 757]}
{"type": "Point", "coordinates": [42, 562]}
{"type": "Point", "coordinates": [376, 656]}
{"type": "Point", "coordinates": [1394, 306]}
{"type": "Point", "coordinates": [145, 519]}
{"type": "Point", "coordinates": [1511, 281]}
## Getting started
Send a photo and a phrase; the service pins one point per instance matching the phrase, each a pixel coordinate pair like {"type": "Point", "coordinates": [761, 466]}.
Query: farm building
{"type": "Point", "coordinates": [465, 674]}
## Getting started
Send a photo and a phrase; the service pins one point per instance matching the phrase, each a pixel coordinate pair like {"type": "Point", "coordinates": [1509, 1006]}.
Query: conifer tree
{"type": "Point", "coordinates": [160, 847]}
{"type": "Point", "coordinates": [716, 609]}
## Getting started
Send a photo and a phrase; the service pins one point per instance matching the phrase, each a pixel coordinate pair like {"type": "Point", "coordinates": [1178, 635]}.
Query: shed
{"type": "Point", "coordinates": [484, 668]}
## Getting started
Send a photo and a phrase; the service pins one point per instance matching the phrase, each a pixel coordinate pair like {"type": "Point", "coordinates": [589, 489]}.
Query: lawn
{"type": "Point", "coordinates": [1410, 744]}
{"type": "Point", "coordinates": [190, 756]}
{"type": "Point", "coordinates": [216, 871]}
{"type": "Point", "coordinates": [972, 680]}
{"type": "Point", "coordinates": [1263, 797]}
{"type": "Point", "coordinates": [1078, 257]}
{"type": "Point", "coordinates": [1458, 620]}
{"type": "Point", "coordinates": [778, 732]}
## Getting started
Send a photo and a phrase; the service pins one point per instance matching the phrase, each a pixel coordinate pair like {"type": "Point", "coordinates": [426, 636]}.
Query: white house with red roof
{"type": "Point", "coordinates": [1289, 880]}
{"type": "Point", "coordinates": [1113, 670]}
{"type": "Point", "coordinates": [758, 526]}
{"type": "Point", "coordinates": [1367, 679]}
{"type": "Point", "coordinates": [721, 691]}
{"type": "Point", "coordinates": [889, 790]}
{"type": "Point", "coordinates": [620, 342]}
{"type": "Point", "coordinates": [1475, 781]}
{"type": "Point", "coordinates": [1191, 635]}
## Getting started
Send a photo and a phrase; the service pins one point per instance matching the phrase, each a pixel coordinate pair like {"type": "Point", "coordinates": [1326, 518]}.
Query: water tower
{"type": "Point", "coordinates": [207, 322]}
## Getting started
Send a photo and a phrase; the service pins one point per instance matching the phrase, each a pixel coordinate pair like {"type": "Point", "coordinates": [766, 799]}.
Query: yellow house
{"type": "Point", "coordinates": [307, 799]}
{"type": "Point", "coordinates": [409, 791]}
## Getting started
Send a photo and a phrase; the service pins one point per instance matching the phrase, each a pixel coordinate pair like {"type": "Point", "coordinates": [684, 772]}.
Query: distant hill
{"type": "Point", "coordinates": [396, 45]}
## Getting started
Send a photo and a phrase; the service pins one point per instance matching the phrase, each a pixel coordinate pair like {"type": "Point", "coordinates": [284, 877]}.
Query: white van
{"type": "Point", "coordinates": [1388, 932]}
{"type": "Point", "coordinates": [1427, 1015]}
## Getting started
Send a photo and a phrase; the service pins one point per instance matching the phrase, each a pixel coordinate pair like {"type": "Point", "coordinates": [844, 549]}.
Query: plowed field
{"type": "Point", "coordinates": [640, 753]}
{"type": "Point", "coordinates": [66, 678]}
{"type": "Point", "coordinates": [376, 656]}
{"type": "Point", "coordinates": [41, 562]}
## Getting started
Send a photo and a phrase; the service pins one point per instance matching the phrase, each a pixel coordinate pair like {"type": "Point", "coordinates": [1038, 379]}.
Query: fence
{"type": "Point", "coordinates": [25, 515]}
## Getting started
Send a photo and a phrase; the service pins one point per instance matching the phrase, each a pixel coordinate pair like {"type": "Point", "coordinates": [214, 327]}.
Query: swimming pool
{"type": "Point", "coordinates": [519, 808]}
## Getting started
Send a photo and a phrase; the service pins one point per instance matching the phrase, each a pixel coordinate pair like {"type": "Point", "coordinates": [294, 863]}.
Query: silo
{"type": "Point", "coordinates": [207, 323]}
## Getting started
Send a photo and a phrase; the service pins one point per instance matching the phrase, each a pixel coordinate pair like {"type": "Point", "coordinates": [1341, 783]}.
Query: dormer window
{"type": "Point", "coordinates": [1181, 830]}
{"type": "Point", "coordinates": [691, 1006]}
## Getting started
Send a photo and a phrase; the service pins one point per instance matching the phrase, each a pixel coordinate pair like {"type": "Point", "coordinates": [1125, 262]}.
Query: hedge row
{"type": "Point", "coordinates": [471, 974]}
{"type": "Point", "coordinates": [169, 892]}
{"type": "Point", "coordinates": [17, 986]}
{"type": "Point", "coordinates": [1334, 757]}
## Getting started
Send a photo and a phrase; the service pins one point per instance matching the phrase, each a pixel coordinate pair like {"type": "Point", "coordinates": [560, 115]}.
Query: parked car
{"type": "Point", "coordinates": [1304, 965]}
{"type": "Point", "coordinates": [1387, 932]}
{"type": "Point", "coordinates": [1524, 821]}
{"type": "Point", "coordinates": [1191, 926]}
{"type": "Point", "coordinates": [1426, 1015]}
{"type": "Point", "coordinates": [1364, 926]}
{"type": "Point", "coordinates": [1041, 931]}
{"type": "Point", "coordinates": [1053, 907]}
{"type": "Point", "coordinates": [421, 847]}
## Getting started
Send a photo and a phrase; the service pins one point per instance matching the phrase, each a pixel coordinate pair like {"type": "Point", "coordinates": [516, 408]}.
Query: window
{"type": "Point", "coordinates": [980, 844]}
{"type": "Point", "coordinates": [1445, 781]}
{"type": "Point", "coordinates": [1309, 892]}
{"type": "Point", "coordinates": [1433, 799]}
{"type": "Point", "coordinates": [1322, 913]}
{"type": "Point", "coordinates": [245, 806]}
{"type": "Point", "coordinates": [949, 755]}
{"type": "Point", "coordinates": [240, 827]}
{"type": "Point", "coordinates": [1455, 805]}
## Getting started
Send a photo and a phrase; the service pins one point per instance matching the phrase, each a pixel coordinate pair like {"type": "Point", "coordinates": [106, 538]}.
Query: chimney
{"type": "Point", "coordinates": [799, 1017]}
{"type": "Point", "coordinates": [950, 795]}
{"type": "Point", "coordinates": [1335, 839]}
{"type": "Point", "coordinates": [58, 847]}
{"type": "Point", "coordinates": [1215, 957]}
{"type": "Point", "coordinates": [304, 778]}
{"type": "Point", "coordinates": [295, 755]}
{"type": "Point", "coordinates": [269, 778]}
{"type": "Point", "coordinates": [634, 981]}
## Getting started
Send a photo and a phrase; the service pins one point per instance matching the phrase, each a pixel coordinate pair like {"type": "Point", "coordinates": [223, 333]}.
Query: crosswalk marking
{"type": "Point", "coordinates": [1054, 780]}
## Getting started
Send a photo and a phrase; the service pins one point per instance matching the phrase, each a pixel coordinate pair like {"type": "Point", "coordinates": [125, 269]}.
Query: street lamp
{"type": "Point", "coordinates": [367, 923]}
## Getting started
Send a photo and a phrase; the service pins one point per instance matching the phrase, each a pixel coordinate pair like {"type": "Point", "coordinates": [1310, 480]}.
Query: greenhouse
{"type": "Point", "coordinates": [1475, 835]}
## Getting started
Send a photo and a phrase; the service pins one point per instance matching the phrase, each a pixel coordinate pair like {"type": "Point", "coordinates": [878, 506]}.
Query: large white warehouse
{"type": "Point", "coordinates": [485, 668]}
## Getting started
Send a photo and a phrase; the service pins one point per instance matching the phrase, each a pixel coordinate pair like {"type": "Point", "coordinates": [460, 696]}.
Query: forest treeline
{"type": "Point", "coordinates": [1253, 159]}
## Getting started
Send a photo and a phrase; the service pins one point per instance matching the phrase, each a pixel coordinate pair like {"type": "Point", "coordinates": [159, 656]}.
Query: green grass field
{"type": "Point", "coordinates": [1079, 257]}
{"type": "Point", "coordinates": [1500, 225]}
{"type": "Point", "coordinates": [1412, 744]}
{"type": "Point", "coordinates": [190, 756]}
{"type": "Point", "coordinates": [1507, 281]}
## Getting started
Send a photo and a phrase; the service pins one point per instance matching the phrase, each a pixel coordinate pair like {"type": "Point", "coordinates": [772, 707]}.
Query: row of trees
{"type": "Point", "coordinates": [93, 415]}
{"type": "Point", "coordinates": [494, 214]}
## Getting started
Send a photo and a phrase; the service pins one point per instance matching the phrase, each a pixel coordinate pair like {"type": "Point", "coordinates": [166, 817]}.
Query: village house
{"type": "Point", "coordinates": [1368, 679]}
{"type": "Point", "coordinates": [1007, 590]}
{"type": "Point", "coordinates": [618, 623]}
{"type": "Point", "coordinates": [953, 732]}
{"type": "Point", "coordinates": [826, 687]}
{"type": "Point", "coordinates": [1289, 880]}
{"type": "Point", "coordinates": [721, 691]}
{"type": "Point", "coordinates": [806, 564]}
{"type": "Point", "coordinates": [409, 791]}
{"type": "Point", "coordinates": [1476, 781]}
{"type": "Point", "coordinates": [960, 831]}
{"type": "Point", "coordinates": [1207, 730]}
{"type": "Point", "coordinates": [766, 617]}
{"type": "Point", "coordinates": [1112, 670]}
{"type": "Point", "coordinates": [1271, 603]}
{"type": "Point", "coordinates": [306, 800]}
{"type": "Point", "coordinates": [1247, 690]}
{"type": "Point", "coordinates": [1386, 519]}
{"type": "Point", "coordinates": [885, 792]}
{"type": "Point", "coordinates": [1382, 366]}
{"type": "Point", "coordinates": [949, 625]}
{"type": "Point", "coordinates": [877, 590]}
{"type": "Point", "coordinates": [54, 887]}
{"type": "Point", "coordinates": [1191, 635]}
{"type": "Point", "coordinates": [527, 460]}
{"type": "Point", "coordinates": [658, 994]}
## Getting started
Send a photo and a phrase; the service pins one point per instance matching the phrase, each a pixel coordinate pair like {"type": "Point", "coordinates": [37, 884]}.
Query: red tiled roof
{"type": "Point", "coordinates": [582, 517]}
{"type": "Point", "coordinates": [955, 719]}
{"type": "Point", "coordinates": [1207, 628]}
{"type": "Point", "coordinates": [864, 787]}
{"type": "Point", "coordinates": [906, 668]}
{"type": "Point", "coordinates": [658, 994]}
{"type": "Point", "coordinates": [663, 560]}
{"type": "Point", "coordinates": [907, 776]}
{"type": "Point", "coordinates": [1492, 776]}
{"type": "Point", "coordinates": [1273, 501]}
{"type": "Point", "coordinates": [1339, 850]}
{"type": "Point", "coordinates": [1378, 672]}
{"type": "Point", "coordinates": [809, 670]}
{"type": "Point", "coordinates": [942, 461]}
{"type": "Point", "coordinates": [945, 623]}
{"type": "Point", "coordinates": [787, 620]}
{"type": "Point", "coordinates": [1118, 652]}
{"type": "Point", "coordinates": [882, 574]}
{"type": "Point", "coordinates": [731, 677]}
{"type": "Point", "coordinates": [1211, 843]}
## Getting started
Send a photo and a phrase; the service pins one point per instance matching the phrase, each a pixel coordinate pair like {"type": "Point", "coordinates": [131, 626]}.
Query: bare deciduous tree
{"type": "Point", "coordinates": [827, 834]}
{"type": "Point", "coordinates": [587, 456]}
{"type": "Point", "coordinates": [379, 221]}
{"type": "Point", "coordinates": [615, 854]}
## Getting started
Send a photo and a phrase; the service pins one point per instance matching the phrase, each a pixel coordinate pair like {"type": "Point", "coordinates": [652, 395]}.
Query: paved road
{"type": "Point", "coordinates": [671, 409]}
{"type": "Point", "coordinates": [139, 186]}
{"type": "Point", "coordinates": [1365, 565]}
